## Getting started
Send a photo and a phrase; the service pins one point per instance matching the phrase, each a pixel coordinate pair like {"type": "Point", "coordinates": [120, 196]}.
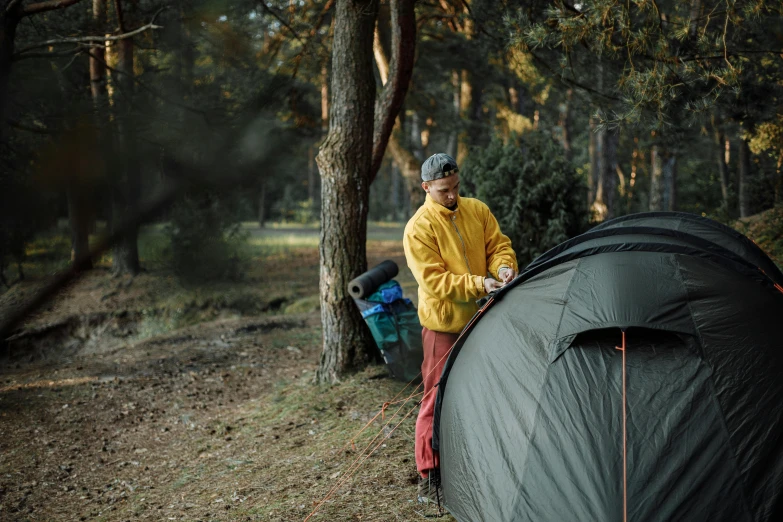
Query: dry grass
{"type": "Point", "coordinates": [214, 417]}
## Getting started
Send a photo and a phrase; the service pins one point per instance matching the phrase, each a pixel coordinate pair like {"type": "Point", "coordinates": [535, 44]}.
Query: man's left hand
{"type": "Point", "coordinates": [506, 274]}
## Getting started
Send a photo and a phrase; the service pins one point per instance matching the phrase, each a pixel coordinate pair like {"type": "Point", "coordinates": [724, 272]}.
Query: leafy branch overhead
{"type": "Point", "coordinates": [667, 60]}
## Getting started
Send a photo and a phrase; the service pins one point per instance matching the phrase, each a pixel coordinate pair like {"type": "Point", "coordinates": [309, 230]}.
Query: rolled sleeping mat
{"type": "Point", "coordinates": [369, 281]}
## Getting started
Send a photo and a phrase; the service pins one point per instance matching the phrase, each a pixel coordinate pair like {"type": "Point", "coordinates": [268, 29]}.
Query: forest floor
{"type": "Point", "coordinates": [143, 399]}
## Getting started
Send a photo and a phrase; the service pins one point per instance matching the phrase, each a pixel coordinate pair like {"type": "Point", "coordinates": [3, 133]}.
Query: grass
{"type": "Point", "coordinates": [766, 230]}
{"type": "Point", "coordinates": [233, 427]}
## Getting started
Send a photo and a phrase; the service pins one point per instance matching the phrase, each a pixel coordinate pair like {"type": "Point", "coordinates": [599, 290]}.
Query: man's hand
{"type": "Point", "coordinates": [507, 274]}
{"type": "Point", "coordinates": [491, 284]}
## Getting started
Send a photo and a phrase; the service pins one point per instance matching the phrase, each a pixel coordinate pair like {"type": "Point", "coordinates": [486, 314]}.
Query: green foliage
{"type": "Point", "coordinates": [766, 230]}
{"type": "Point", "coordinates": [23, 213]}
{"type": "Point", "coordinates": [537, 197]}
{"type": "Point", "coordinates": [206, 239]}
{"type": "Point", "coordinates": [291, 210]}
{"type": "Point", "coordinates": [662, 62]}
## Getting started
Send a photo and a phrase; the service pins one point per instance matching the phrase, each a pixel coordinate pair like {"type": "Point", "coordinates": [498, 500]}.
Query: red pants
{"type": "Point", "coordinates": [436, 347]}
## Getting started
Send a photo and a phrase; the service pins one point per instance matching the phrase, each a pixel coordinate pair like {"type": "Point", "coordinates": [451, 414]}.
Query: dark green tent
{"type": "Point", "coordinates": [532, 423]}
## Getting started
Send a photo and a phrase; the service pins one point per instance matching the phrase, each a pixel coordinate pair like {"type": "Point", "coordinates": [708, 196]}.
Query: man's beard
{"type": "Point", "coordinates": [452, 207]}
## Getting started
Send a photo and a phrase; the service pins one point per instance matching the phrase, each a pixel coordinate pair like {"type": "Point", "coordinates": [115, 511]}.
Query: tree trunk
{"type": "Point", "coordinates": [744, 178]}
{"type": "Point", "coordinates": [593, 154]}
{"type": "Point", "coordinates": [262, 204]}
{"type": "Point", "coordinates": [723, 168]}
{"type": "Point", "coordinates": [417, 147]}
{"type": "Point", "coordinates": [312, 173]}
{"type": "Point", "coordinates": [396, 182]}
{"type": "Point", "coordinates": [465, 101]}
{"type": "Point", "coordinates": [635, 158]}
{"type": "Point", "coordinates": [79, 222]}
{"type": "Point", "coordinates": [565, 124]}
{"type": "Point", "coordinates": [597, 160]}
{"type": "Point", "coordinates": [451, 145]}
{"type": "Point", "coordinates": [324, 99]}
{"type": "Point", "coordinates": [605, 164]}
{"type": "Point", "coordinates": [97, 58]}
{"type": "Point", "coordinates": [8, 23]}
{"type": "Point", "coordinates": [669, 201]}
{"type": "Point", "coordinates": [611, 142]}
{"type": "Point", "coordinates": [126, 192]}
{"type": "Point", "coordinates": [409, 166]}
{"type": "Point", "coordinates": [656, 178]}
{"type": "Point", "coordinates": [344, 161]}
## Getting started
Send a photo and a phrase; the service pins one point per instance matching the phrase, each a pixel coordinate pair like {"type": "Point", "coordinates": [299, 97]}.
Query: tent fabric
{"type": "Point", "coordinates": [528, 418]}
{"type": "Point", "coordinates": [708, 229]}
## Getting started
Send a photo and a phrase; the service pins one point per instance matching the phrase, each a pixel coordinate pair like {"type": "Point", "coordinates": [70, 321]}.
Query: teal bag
{"type": "Point", "coordinates": [395, 327]}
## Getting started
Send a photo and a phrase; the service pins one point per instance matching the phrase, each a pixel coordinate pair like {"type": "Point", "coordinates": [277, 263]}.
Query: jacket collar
{"type": "Point", "coordinates": [440, 209]}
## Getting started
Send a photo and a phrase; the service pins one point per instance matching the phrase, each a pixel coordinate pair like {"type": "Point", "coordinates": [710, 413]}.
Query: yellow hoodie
{"type": "Point", "coordinates": [450, 254]}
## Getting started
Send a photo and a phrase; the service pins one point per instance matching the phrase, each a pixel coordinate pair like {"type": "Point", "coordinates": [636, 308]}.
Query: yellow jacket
{"type": "Point", "coordinates": [450, 253]}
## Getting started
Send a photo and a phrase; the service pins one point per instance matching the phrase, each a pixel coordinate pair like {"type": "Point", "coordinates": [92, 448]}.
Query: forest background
{"type": "Point", "coordinates": [209, 153]}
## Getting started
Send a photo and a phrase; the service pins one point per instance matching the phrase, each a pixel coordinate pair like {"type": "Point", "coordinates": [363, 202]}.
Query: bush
{"type": "Point", "coordinates": [206, 239]}
{"type": "Point", "coordinates": [536, 195]}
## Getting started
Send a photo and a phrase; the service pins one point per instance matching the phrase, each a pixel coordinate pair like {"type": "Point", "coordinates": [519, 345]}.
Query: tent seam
{"type": "Point", "coordinates": [714, 393]}
{"type": "Point", "coordinates": [564, 299]}
{"type": "Point", "coordinates": [537, 415]}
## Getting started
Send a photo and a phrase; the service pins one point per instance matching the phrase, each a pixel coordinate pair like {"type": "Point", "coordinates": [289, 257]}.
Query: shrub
{"type": "Point", "coordinates": [536, 195]}
{"type": "Point", "coordinates": [206, 239]}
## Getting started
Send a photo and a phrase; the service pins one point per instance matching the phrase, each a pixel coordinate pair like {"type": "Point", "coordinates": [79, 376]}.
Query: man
{"type": "Point", "coordinates": [451, 245]}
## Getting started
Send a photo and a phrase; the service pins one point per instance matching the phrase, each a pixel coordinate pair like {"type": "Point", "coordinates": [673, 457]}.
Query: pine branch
{"type": "Point", "coordinates": [90, 39]}
{"type": "Point", "coordinates": [280, 19]}
{"type": "Point", "coordinates": [27, 128]}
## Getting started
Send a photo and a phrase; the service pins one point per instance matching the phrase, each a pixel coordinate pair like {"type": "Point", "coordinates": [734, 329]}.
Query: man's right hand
{"type": "Point", "coordinates": [491, 284]}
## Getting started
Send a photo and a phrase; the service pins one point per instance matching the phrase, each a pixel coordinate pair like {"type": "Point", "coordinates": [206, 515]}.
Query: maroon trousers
{"type": "Point", "coordinates": [436, 347]}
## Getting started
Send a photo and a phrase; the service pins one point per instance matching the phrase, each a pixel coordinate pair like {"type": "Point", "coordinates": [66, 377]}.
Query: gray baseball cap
{"type": "Point", "coordinates": [438, 166]}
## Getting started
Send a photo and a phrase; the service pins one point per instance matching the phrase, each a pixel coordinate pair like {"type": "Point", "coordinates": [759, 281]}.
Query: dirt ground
{"type": "Point", "coordinates": [109, 410]}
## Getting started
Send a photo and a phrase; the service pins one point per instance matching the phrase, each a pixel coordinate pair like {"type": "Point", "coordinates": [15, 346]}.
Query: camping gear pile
{"type": "Point", "coordinates": [631, 373]}
{"type": "Point", "coordinates": [392, 319]}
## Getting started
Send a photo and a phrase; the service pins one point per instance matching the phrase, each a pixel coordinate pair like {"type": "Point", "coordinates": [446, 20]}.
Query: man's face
{"type": "Point", "coordinates": [443, 191]}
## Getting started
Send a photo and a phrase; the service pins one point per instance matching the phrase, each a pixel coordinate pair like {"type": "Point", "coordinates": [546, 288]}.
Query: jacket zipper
{"type": "Point", "coordinates": [464, 250]}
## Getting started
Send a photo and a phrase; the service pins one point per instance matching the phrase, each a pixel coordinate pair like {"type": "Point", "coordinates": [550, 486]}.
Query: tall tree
{"type": "Point", "coordinates": [744, 176]}
{"type": "Point", "coordinates": [126, 188]}
{"type": "Point", "coordinates": [359, 129]}
{"type": "Point", "coordinates": [11, 13]}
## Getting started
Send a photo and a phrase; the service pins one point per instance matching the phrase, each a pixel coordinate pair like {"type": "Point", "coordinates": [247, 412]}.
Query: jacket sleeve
{"type": "Point", "coordinates": [498, 246]}
{"type": "Point", "coordinates": [429, 269]}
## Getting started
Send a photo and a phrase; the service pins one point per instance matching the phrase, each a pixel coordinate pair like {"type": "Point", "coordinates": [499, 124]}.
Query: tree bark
{"type": "Point", "coordinates": [612, 141]}
{"type": "Point", "coordinates": [312, 173]}
{"type": "Point", "coordinates": [744, 177]}
{"type": "Point", "coordinates": [8, 24]}
{"type": "Point", "coordinates": [656, 178]}
{"type": "Point", "coordinates": [597, 160]}
{"type": "Point", "coordinates": [565, 124]}
{"type": "Point", "coordinates": [451, 145]}
{"type": "Point", "coordinates": [98, 58]}
{"type": "Point", "coordinates": [345, 160]}
{"type": "Point", "coordinates": [400, 70]}
{"type": "Point", "coordinates": [324, 99]}
{"type": "Point", "coordinates": [669, 200]}
{"type": "Point", "coordinates": [262, 204]}
{"type": "Point", "coordinates": [720, 158]}
{"type": "Point", "coordinates": [79, 222]}
{"type": "Point", "coordinates": [465, 102]}
{"type": "Point", "coordinates": [125, 254]}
